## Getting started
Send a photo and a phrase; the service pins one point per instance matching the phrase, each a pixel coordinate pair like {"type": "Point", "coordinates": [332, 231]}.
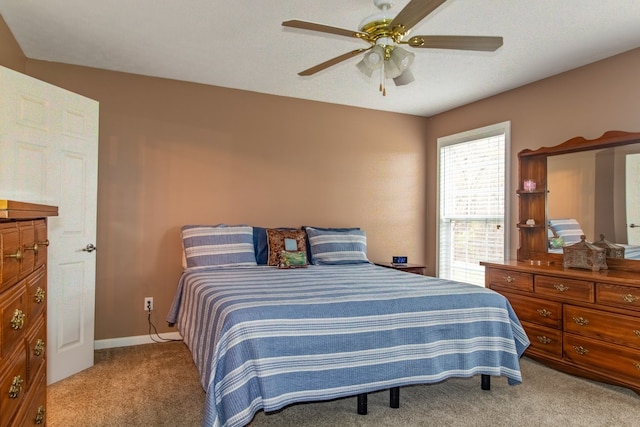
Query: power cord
{"type": "Point", "coordinates": [152, 326]}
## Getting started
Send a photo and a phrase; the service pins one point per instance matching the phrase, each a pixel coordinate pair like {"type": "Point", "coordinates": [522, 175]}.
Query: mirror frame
{"type": "Point", "coordinates": [532, 165]}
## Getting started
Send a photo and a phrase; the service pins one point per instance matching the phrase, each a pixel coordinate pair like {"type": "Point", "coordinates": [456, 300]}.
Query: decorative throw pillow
{"type": "Point", "coordinates": [218, 246]}
{"type": "Point", "coordinates": [294, 259]}
{"type": "Point", "coordinates": [568, 228]}
{"type": "Point", "coordinates": [337, 247]}
{"type": "Point", "coordinates": [304, 227]}
{"type": "Point", "coordinates": [276, 238]}
{"type": "Point", "coordinates": [556, 242]}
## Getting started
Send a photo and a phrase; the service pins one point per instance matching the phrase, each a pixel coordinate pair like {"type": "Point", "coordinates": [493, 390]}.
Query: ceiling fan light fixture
{"type": "Point", "coordinates": [402, 58]}
{"type": "Point", "coordinates": [391, 70]}
{"type": "Point", "coordinates": [364, 68]}
{"type": "Point", "coordinates": [405, 78]}
{"type": "Point", "coordinates": [374, 58]}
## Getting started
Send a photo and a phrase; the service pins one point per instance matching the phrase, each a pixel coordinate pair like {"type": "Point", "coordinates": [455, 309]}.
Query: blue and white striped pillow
{"type": "Point", "coordinates": [337, 247]}
{"type": "Point", "coordinates": [218, 246]}
{"type": "Point", "coordinates": [567, 228]}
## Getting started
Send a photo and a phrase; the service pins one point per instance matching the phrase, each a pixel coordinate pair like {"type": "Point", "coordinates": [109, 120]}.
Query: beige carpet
{"type": "Point", "coordinates": [157, 385]}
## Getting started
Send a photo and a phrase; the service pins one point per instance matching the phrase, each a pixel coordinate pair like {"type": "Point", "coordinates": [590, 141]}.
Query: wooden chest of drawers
{"type": "Point", "coordinates": [23, 288]}
{"type": "Point", "coordinates": [578, 321]}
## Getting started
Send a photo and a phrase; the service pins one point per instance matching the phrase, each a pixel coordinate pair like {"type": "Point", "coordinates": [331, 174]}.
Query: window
{"type": "Point", "coordinates": [472, 201]}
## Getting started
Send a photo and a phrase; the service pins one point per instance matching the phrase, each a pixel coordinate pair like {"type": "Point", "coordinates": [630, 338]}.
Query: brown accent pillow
{"type": "Point", "coordinates": [275, 240]}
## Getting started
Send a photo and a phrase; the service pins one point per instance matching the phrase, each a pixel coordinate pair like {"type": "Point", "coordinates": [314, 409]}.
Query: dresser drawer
{"type": "Point", "coordinates": [36, 292]}
{"type": "Point", "coordinates": [36, 346]}
{"type": "Point", "coordinates": [612, 327]}
{"type": "Point", "coordinates": [13, 318]}
{"type": "Point", "coordinates": [535, 310]}
{"type": "Point", "coordinates": [27, 241]}
{"type": "Point", "coordinates": [510, 280]}
{"type": "Point", "coordinates": [13, 386]}
{"type": "Point", "coordinates": [619, 296]}
{"type": "Point", "coordinates": [544, 340]}
{"type": "Point", "coordinates": [570, 289]}
{"type": "Point", "coordinates": [11, 255]}
{"type": "Point", "coordinates": [35, 413]}
{"type": "Point", "coordinates": [615, 361]}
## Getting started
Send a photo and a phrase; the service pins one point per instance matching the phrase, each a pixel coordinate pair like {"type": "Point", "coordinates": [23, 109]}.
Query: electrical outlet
{"type": "Point", "coordinates": [148, 304]}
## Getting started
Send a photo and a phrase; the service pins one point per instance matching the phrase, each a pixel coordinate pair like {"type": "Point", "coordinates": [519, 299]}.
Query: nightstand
{"type": "Point", "coordinates": [409, 268]}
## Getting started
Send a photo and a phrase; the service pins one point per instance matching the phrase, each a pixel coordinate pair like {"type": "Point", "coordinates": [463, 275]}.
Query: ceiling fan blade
{"type": "Point", "coordinates": [333, 61]}
{"type": "Point", "coordinates": [304, 25]}
{"type": "Point", "coordinates": [456, 42]}
{"type": "Point", "coordinates": [414, 12]}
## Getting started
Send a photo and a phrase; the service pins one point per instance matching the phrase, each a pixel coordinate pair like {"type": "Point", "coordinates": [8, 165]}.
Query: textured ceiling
{"type": "Point", "coordinates": [241, 44]}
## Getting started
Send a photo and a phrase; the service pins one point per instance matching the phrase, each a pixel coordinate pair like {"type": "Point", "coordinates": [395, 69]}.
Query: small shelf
{"type": "Point", "coordinates": [537, 191]}
{"type": "Point", "coordinates": [530, 225]}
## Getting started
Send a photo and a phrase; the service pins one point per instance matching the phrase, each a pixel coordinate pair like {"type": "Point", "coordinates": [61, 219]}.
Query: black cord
{"type": "Point", "coordinates": [161, 339]}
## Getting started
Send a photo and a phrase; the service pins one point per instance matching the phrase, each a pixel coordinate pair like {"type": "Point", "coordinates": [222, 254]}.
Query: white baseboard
{"type": "Point", "coordinates": [129, 341]}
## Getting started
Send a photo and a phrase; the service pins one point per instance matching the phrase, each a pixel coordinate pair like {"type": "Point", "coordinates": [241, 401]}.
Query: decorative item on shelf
{"type": "Point", "coordinates": [584, 255]}
{"type": "Point", "coordinates": [611, 249]}
{"type": "Point", "coordinates": [531, 221]}
{"type": "Point", "coordinates": [529, 185]}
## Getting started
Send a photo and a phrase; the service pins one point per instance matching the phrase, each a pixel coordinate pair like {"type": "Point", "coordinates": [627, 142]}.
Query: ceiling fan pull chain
{"type": "Point", "coordinates": [383, 89]}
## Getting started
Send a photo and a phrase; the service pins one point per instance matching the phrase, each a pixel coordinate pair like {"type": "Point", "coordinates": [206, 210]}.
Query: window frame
{"type": "Point", "coordinates": [471, 135]}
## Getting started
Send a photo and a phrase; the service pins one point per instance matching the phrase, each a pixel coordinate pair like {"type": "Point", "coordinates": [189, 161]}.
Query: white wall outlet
{"type": "Point", "coordinates": [148, 304]}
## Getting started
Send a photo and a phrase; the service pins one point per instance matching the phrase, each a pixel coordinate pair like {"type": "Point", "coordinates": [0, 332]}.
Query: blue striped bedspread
{"type": "Point", "coordinates": [263, 337]}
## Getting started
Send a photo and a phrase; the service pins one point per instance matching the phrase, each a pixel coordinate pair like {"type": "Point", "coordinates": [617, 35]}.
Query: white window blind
{"type": "Point", "coordinates": [472, 188]}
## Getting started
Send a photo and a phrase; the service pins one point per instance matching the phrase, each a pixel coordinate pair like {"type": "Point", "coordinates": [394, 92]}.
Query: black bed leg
{"type": "Point", "coordinates": [394, 397]}
{"type": "Point", "coordinates": [485, 382]}
{"type": "Point", "coordinates": [362, 404]}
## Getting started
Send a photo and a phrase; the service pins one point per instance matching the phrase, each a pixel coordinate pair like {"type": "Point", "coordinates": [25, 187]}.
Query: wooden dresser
{"type": "Point", "coordinates": [23, 312]}
{"type": "Point", "coordinates": [578, 321]}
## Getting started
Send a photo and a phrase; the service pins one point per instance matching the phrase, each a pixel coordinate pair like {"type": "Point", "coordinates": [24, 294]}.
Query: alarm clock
{"type": "Point", "coordinates": [399, 260]}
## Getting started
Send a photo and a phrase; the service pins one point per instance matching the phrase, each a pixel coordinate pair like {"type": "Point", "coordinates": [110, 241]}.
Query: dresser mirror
{"type": "Point", "coordinates": [591, 181]}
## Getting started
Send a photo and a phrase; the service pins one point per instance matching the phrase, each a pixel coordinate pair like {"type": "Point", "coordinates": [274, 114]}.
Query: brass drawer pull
{"type": "Point", "coordinates": [580, 349]}
{"type": "Point", "coordinates": [17, 255]}
{"type": "Point", "coordinates": [38, 349]}
{"type": "Point", "coordinates": [39, 295]}
{"type": "Point", "coordinates": [637, 365]}
{"type": "Point", "coordinates": [561, 288]}
{"type": "Point", "coordinates": [581, 321]}
{"type": "Point", "coordinates": [16, 387]}
{"type": "Point", "coordinates": [39, 418]}
{"type": "Point", "coordinates": [543, 339]}
{"type": "Point", "coordinates": [637, 332]}
{"type": "Point", "coordinates": [33, 248]}
{"type": "Point", "coordinates": [17, 321]}
{"type": "Point", "coordinates": [629, 298]}
{"type": "Point", "coordinates": [543, 312]}
{"type": "Point", "coordinates": [509, 279]}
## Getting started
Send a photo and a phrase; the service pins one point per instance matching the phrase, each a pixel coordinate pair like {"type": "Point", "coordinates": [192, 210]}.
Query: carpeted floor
{"type": "Point", "coordinates": [158, 385]}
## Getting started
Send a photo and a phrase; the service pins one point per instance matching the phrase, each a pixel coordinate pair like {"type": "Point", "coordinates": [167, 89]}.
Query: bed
{"type": "Point", "coordinates": [263, 337]}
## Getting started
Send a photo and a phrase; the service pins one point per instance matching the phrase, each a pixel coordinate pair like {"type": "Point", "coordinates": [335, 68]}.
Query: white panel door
{"type": "Point", "coordinates": [49, 154]}
{"type": "Point", "coordinates": [633, 198]}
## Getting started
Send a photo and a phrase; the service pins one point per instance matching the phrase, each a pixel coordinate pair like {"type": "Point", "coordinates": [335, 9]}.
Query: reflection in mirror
{"type": "Point", "coordinates": [600, 189]}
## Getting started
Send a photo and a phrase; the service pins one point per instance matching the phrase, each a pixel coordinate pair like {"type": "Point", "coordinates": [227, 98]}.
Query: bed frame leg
{"type": "Point", "coordinates": [394, 397]}
{"type": "Point", "coordinates": [485, 382]}
{"type": "Point", "coordinates": [362, 404]}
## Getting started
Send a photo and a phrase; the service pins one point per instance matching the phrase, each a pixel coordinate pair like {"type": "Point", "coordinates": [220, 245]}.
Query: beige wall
{"type": "Point", "coordinates": [583, 102]}
{"type": "Point", "coordinates": [11, 56]}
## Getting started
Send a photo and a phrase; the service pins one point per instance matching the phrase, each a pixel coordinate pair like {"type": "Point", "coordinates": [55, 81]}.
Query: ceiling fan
{"type": "Point", "coordinates": [386, 33]}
